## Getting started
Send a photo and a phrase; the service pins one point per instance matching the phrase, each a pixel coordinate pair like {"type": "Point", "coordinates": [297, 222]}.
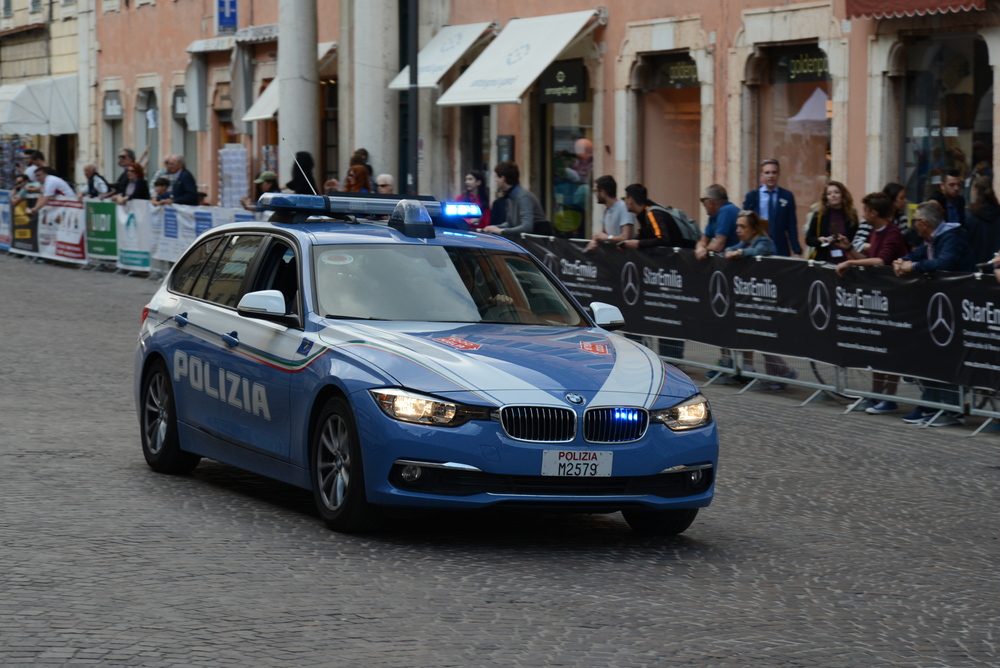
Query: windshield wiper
{"type": "Point", "coordinates": [350, 317]}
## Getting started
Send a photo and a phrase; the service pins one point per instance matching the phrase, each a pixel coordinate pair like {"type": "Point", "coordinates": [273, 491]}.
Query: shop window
{"type": "Point", "coordinates": [794, 122]}
{"type": "Point", "coordinates": [564, 92]}
{"type": "Point", "coordinates": [671, 132]}
{"type": "Point", "coordinates": [948, 113]}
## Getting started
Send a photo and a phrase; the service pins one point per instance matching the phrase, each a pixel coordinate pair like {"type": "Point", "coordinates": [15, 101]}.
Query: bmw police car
{"type": "Point", "coordinates": [409, 363]}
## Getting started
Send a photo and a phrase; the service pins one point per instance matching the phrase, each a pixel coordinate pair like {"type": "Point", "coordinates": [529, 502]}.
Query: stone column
{"type": "Point", "coordinates": [298, 78]}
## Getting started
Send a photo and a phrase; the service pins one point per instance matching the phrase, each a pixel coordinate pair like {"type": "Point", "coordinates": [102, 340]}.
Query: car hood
{"type": "Point", "coordinates": [507, 364]}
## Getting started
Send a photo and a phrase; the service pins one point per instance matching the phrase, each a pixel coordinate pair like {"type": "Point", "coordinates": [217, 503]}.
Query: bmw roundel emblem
{"type": "Point", "coordinates": [575, 399]}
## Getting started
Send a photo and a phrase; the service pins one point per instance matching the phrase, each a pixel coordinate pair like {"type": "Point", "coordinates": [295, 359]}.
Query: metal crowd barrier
{"type": "Point", "coordinates": [849, 384]}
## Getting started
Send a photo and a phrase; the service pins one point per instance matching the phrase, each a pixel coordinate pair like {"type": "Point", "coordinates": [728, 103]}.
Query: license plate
{"type": "Point", "coordinates": [576, 463]}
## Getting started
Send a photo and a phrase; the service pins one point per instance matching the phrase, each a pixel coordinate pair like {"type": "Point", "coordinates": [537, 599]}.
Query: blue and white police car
{"type": "Point", "coordinates": [410, 364]}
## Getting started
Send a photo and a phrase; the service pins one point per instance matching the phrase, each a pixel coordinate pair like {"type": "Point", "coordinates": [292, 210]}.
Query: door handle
{"type": "Point", "coordinates": [231, 339]}
{"type": "Point", "coordinates": [181, 319]}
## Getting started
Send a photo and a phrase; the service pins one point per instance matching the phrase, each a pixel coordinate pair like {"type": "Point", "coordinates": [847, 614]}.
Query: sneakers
{"type": "Point", "coordinates": [882, 407]}
{"type": "Point", "coordinates": [918, 416]}
{"type": "Point", "coordinates": [866, 404]}
{"type": "Point", "coordinates": [791, 374]}
{"type": "Point", "coordinates": [948, 419]}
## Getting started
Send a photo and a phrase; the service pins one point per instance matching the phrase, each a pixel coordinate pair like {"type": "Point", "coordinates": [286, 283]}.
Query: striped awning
{"type": "Point", "coordinates": [884, 9]}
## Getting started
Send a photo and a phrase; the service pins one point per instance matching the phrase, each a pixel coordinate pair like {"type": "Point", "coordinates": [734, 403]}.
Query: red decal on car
{"type": "Point", "coordinates": [460, 344]}
{"type": "Point", "coordinates": [596, 348]}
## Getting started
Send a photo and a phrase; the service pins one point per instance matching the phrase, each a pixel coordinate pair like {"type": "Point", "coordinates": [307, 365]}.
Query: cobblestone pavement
{"type": "Point", "coordinates": [833, 541]}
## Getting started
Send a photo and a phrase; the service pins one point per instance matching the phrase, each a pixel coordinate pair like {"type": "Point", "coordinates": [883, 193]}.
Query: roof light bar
{"type": "Point", "coordinates": [359, 206]}
{"type": "Point", "coordinates": [462, 209]}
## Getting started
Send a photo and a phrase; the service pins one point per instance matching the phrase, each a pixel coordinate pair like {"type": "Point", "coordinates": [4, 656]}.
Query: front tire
{"type": "Point", "coordinates": [337, 472]}
{"type": "Point", "coordinates": [158, 419]}
{"type": "Point", "coordinates": [660, 522]}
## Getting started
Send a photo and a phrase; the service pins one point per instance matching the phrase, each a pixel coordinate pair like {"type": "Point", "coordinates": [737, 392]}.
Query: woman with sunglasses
{"type": "Point", "coordinates": [137, 187]}
{"type": "Point", "coordinates": [752, 232]}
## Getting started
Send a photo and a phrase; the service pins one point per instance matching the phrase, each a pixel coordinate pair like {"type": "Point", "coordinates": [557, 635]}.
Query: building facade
{"type": "Point", "coordinates": [675, 95]}
{"type": "Point", "coordinates": [47, 70]}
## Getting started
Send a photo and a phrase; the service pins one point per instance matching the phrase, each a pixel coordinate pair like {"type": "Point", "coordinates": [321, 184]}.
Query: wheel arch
{"type": "Point", "coordinates": [326, 393]}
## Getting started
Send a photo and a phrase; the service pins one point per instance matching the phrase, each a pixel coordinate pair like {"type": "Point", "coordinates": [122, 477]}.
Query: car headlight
{"type": "Point", "coordinates": [691, 413]}
{"type": "Point", "coordinates": [413, 407]}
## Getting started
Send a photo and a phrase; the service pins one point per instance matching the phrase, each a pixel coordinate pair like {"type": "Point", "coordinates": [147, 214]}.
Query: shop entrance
{"type": "Point", "coordinates": [671, 132]}
{"type": "Point", "coordinates": [948, 112]}
{"type": "Point", "coordinates": [568, 130]}
{"type": "Point", "coordinates": [794, 122]}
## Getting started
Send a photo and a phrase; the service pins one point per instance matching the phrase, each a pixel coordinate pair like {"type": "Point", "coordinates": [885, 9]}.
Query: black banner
{"type": "Point", "coordinates": [945, 327]}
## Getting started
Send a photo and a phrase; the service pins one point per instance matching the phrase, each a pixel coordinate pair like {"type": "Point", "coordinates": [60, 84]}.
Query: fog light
{"type": "Point", "coordinates": [696, 477]}
{"type": "Point", "coordinates": [411, 473]}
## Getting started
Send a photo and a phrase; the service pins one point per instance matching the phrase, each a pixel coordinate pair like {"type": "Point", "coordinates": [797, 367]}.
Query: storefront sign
{"type": "Point", "coordinates": [672, 71]}
{"type": "Point", "coordinates": [798, 65]}
{"type": "Point", "coordinates": [564, 81]}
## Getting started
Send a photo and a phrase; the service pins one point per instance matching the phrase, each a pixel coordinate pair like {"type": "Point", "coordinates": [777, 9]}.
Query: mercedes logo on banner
{"type": "Point", "coordinates": [630, 283]}
{"type": "Point", "coordinates": [552, 263]}
{"type": "Point", "coordinates": [941, 319]}
{"type": "Point", "coordinates": [518, 54]}
{"type": "Point", "coordinates": [819, 305]}
{"type": "Point", "coordinates": [718, 293]}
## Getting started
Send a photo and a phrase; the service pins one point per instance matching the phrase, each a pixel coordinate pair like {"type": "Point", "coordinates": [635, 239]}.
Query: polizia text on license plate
{"type": "Point", "coordinates": [577, 463]}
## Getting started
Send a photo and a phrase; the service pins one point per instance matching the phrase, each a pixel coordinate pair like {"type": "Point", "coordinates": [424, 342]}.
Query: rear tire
{"type": "Point", "coordinates": [660, 522]}
{"type": "Point", "coordinates": [337, 472]}
{"type": "Point", "coordinates": [158, 422]}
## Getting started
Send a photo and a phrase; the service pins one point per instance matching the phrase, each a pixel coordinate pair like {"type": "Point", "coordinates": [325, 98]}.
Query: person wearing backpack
{"type": "Point", "coordinates": [658, 225]}
{"type": "Point", "coordinates": [720, 233]}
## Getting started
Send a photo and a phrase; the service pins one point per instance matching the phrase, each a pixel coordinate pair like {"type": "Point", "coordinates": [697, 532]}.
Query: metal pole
{"type": "Point", "coordinates": [413, 105]}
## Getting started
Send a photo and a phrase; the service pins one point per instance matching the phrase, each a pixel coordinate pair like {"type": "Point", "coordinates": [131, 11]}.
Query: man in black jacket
{"type": "Point", "coordinates": [184, 190]}
{"type": "Point", "coordinates": [126, 157]}
{"type": "Point", "coordinates": [97, 185]}
{"type": "Point", "coordinates": [951, 202]}
{"type": "Point", "coordinates": [656, 226]}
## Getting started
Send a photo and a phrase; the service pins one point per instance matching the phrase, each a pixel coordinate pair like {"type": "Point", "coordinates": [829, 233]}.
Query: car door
{"type": "Point", "coordinates": [190, 350]}
{"type": "Point", "coordinates": [253, 377]}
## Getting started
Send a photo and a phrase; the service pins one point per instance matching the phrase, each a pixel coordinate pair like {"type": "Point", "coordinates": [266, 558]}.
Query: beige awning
{"type": "Point", "coordinates": [265, 108]}
{"type": "Point", "coordinates": [441, 53]}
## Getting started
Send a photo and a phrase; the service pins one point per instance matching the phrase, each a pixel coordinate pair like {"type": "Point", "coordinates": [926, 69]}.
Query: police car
{"type": "Point", "coordinates": [408, 363]}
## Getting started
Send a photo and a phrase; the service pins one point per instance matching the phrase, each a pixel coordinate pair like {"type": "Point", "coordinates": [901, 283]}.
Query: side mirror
{"type": "Point", "coordinates": [266, 305]}
{"type": "Point", "coordinates": [607, 316]}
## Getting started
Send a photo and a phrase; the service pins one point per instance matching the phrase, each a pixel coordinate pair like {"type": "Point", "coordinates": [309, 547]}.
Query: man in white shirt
{"type": "Point", "coordinates": [617, 223]}
{"type": "Point", "coordinates": [52, 186]}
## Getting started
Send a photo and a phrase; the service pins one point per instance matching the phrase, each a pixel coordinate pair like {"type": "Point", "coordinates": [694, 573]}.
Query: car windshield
{"type": "Point", "coordinates": [437, 283]}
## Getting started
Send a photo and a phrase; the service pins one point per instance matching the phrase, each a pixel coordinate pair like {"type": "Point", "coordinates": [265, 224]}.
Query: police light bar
{"type": "Point", "coordinates": [462, 209]}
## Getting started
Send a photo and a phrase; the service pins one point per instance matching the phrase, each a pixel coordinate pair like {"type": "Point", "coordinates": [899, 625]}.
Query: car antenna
{"type": "Point", "coordinates": [296, 161]}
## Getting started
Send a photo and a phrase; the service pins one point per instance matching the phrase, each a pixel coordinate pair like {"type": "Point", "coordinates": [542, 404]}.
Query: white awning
{"type": "Point", "coordinates": [515, 59]}
{"type": "Point", "coordinates": [266, 106]}
{"type": "Point", "coordinates": [212, 44]}
{"type": "Point", "coordinates": [440, 55]}
{"type": "Point", "coordinates": [44, 107]}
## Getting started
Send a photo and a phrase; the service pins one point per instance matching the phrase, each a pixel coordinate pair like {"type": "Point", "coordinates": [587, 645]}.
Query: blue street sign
{"type": "Point", "coordinates": [225, 12]}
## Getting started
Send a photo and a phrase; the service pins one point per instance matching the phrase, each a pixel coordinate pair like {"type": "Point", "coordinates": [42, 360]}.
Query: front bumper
{"type": "Point", "coordinates": [495, 469]}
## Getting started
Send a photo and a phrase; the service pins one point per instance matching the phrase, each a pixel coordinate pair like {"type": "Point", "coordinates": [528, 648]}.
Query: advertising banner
{"type": "Point", "coordinates": [6, 220]}
{"type": "Point", "coordinates": [945, 327]}
{"type": "Point", "coordinates": [132, 222]}
{"type": "Point", "coordinates": [24, 237]}
{"type": "Point", "coordinates": [102, 231]}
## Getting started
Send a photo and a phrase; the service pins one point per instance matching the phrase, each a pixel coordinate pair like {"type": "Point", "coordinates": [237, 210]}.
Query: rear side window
{"type": "Point", "coordinates": [227, 279]}
{"type": "Point", "coordinates": [191, 267]}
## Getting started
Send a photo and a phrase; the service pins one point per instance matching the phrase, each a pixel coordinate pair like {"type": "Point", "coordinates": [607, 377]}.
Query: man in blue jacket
{"type": "Point", "coordinates": [945, 247]}
{"type": "Point", "coordinates": [184, 190]}
{"type": "Point", "coordinates": [777, 205]}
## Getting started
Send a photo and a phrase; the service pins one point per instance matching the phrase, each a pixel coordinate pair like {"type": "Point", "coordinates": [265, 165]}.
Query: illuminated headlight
{"type": "Point", "coordinates": [691, 413]}
{"type": "Point", "coordinates": [413, 407]}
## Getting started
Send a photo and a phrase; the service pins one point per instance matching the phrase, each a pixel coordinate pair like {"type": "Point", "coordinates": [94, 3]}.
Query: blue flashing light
{"type": "Point", "coordinates": [463, 209]}
{"type": "Point", "coordinates": [626, 414]}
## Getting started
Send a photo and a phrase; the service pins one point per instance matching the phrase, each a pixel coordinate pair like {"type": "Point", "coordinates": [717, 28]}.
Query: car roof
{"type": "Point", "coordinates": [367, 232]}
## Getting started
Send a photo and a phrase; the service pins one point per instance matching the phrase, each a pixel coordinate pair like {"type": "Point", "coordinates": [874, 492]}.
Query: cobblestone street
{"type": "Point", "coordinates": [833, 540]}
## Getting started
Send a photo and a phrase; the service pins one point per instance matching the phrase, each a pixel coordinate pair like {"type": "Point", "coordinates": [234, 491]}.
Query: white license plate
{"type": "Point", "coordinates": [576, 463]}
